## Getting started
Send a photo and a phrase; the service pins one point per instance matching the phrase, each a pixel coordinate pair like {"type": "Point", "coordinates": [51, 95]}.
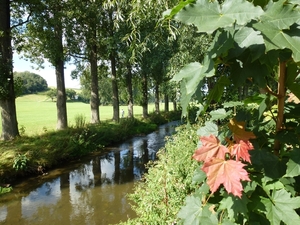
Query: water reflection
{"type": "Point", "coordinates": [91, 192]}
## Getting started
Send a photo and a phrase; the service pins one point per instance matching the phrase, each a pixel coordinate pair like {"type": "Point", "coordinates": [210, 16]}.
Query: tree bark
{"type": "Point", "coordinates": [61, 103]}
{"type": "Point", "coordinates": [145, 95]}
{"type": "Point", "coordinates": [166, 103]}
{"type": "Point", "coordinates": [129, 90]}
{"type": "Point", "coordinates": [156, 103]}
{"type": "Point", "coordinates": [115, 97]}
{"type": "Point", "coordinates": [95, 114]}
{"type": "Point", "coordinates": [7, 92]}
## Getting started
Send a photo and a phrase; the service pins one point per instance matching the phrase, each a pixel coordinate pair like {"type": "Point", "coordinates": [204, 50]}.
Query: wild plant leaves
{"type": "Point", "coordinates": [241, 150]}
{"type": "Point", "coordinates": [280, 207]}
{"type": "Point", "coordinates": [220, 166]}
{"type": "Point", "coordinates": [211, 148]}
{"type": "Point", "coordinates": [238, 129]}
{"type": "Point", "coordinates": [209, 16]}
{"type": "Point", "coordinates": [226, 172]}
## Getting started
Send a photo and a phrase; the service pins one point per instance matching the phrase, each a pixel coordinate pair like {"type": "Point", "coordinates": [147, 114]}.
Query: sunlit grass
{"type": "Point", "coordinates": [36, 113]}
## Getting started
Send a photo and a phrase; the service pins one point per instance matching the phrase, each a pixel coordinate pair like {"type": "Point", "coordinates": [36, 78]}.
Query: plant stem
{"type": "Point", "coordinates": [280, 103]}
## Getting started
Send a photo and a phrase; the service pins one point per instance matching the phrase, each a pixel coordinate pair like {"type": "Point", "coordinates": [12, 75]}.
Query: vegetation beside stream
{"type": "Point", "coordinates": [160, 195]}
{"type": "Point", "coordinates": [33, 155]}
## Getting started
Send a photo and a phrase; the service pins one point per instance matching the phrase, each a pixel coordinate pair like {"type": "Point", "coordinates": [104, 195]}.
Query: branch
{"type": "Point", "coordinates": [23, 22]}
{"type": "Point", "coordinates": [269, 90]}
{"type": "Point", "coordinates": [78, 56]}
{"type": "Point", "coordinates": [280, 102]}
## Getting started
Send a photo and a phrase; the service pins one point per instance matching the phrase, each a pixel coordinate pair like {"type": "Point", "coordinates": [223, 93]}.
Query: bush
{"type": "Point", "coordinates": [169, 180]}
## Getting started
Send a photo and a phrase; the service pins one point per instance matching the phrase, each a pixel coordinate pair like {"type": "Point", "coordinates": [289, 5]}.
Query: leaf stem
{"type": "Point", "coordinates": [280, 102]}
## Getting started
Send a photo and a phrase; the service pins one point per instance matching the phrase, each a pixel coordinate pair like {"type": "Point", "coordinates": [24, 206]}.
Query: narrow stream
{"type": "Point", "coordinates": [91, 191]}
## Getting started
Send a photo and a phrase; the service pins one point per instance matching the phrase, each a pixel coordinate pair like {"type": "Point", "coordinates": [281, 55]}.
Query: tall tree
{"type": "Point", "coordinates": [7, 94]}
{"type": "Point", "coordinates": [85, 22]}
{"type": "Point", "coordinates": [43, 39]}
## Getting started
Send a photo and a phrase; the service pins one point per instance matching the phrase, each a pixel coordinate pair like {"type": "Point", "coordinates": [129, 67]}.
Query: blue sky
{"type": "Point", "coordinates": [48, 73]}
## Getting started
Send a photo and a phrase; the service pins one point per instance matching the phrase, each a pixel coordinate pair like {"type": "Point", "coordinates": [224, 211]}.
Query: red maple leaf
{"type": "Point", "coordinates": [211, 147]}
{"type": "Point", "coordinates": [241, 150]}
{"type": "Point", "coordinates": [229, 173]}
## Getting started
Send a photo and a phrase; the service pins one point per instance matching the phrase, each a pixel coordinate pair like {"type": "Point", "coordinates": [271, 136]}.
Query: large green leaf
{"type": "Point", "coordinates": [281, 208]}
{"type": "Point", "coordinates": [279, 27]}
{"type": "Point", "coordinates": [191, 77]}
{"type": "Point", "coordinates": [193, 73]}
{"type": "Point", "coordinates": [208, 129]}
{"type": "Point", "coordinates": [209, 16]}
{"type": "Point", "coordinates": [280, 14]}
{"type": "Point", "coordinates": [193, 213]}
{"type": "Point", "coordinates": [218, 114]}
{"type": "Point", "coordinates": [293, 165]}
{"type": "Point", "coordinates": [246, 37]}
{"type": "Point", "coordinates": [234, 206]}
{"type": "Point", "coordinates": [223, 41]}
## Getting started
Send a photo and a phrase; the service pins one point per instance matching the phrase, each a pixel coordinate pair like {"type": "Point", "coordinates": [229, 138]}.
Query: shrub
{"type": "Point", "coordinates": [160, 194]}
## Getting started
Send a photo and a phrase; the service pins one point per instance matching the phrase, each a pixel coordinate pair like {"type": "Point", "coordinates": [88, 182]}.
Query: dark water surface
{"type": "Point", "coordinates": [91, 191]}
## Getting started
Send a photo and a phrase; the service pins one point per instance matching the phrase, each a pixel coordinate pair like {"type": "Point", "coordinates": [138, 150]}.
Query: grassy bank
{"type": "Point", "coordinates": [36, 113]}
{"type": "Point", "coordinates": [31, 155]}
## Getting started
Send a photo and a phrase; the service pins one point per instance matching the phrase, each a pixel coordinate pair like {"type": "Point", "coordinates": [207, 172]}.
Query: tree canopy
{"type": "Point", "coordinates": [32, 83]}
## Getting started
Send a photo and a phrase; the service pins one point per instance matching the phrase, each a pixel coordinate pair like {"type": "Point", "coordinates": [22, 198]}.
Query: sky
{"type": "Point", "coordinates": [48, 73]}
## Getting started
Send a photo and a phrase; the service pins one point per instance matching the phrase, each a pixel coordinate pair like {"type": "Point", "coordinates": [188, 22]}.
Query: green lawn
{"type": "Point", "coordinates": [36, 113]}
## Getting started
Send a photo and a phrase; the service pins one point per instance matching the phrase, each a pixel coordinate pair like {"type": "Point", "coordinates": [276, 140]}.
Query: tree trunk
{"type": "Point", "coordinates": [61, 103]}
{"type": "Point", "coordinates": [95, 114]}
{"type": "Point", "coordinates": [166, 103]}
{"type": "Point", "coordinates": [156, 103]}
{"type": "Point", "coordinates": [7, 92]}
{"type": "Point", "coordinates": [174, 104]}
{"type": "Point", "coordinates": [145, 95]}
{"type": "Point", "coordinates": [129, 90]}
{"type": "Point", "coordinates": [114, 82]}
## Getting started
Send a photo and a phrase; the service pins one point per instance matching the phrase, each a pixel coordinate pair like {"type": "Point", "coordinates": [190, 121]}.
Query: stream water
{"type": "Point", "coordinates": [91, 191]}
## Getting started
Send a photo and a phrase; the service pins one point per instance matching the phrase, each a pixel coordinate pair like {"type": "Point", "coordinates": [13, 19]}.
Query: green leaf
{"type": "Point", "coordinates": [218, 114]}
{"type": "Point", "coordinates": [199, 176]}
{"type": "Point", "coordinates": [254, 99]}
{"type": "Point", "coordinates": [272, 166]}
{"type": "Point", "coordinates": [280, 14]}
{"type": "Point", "coordinates": [281, 208]}
{"type": "Point", "coordinates": [193, 213]}
{"type": "Point", "coordinates": [217, 91]}
{"type": "Point", "coordinates": [235, 206]}
{"type": "Point", "coordinates": [208, 129]}
{"type": "Point", "coordinates": [232, 104]}
{"type": "Point", "coordinates": [246, 37]}
{"type": "Point", "coordinates": [191, 76]}
{"type": "Point", "coordinates": [293, 165]}
{"type": "Point", "coordinates": [223, 41]}
{"type": "Point", "coordinates": [172, 12]}
{"type": "Point", "coordinates": [279, 28]}
{"type": "Point", "coordinates": [210, 16]}
{"type": "Point", "coordinates": [262, 107]}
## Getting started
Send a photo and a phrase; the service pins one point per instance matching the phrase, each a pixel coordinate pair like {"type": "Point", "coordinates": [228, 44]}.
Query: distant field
{"type": "Point", "coordinates": [36, 113]}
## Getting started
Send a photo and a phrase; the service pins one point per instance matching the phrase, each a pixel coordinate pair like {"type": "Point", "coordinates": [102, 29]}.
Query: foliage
{"type": "Point", "coordinates": [23, 155]}
{"type": "Point", "coordinates": [70, 94]}
{"type": "Point", "coordinates": [258, 45]}
{"type": "Point", "coordinates": [158, 197]}
{"type": "Point", "coordinates": [51, 93]}
{"type": "Point", "coordinates": [20, 162]}
{"type": "Point", "coordinates": [163, 117]}
{"type": "Point", "coordinates": [80, 121]}
{"type": "Point", "coordinates": [32, 83]}
{"type": "Point", "coordinates": [4, 190]}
